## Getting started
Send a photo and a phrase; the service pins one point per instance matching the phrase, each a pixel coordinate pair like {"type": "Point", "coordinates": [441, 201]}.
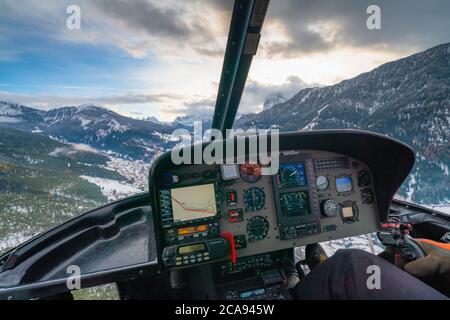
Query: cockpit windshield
{"type": "Point", "coordinates": [91, 93]}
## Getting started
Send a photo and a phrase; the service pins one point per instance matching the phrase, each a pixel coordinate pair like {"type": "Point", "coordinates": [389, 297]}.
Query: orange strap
{"type": "Point", "coordinates": [441, 245]}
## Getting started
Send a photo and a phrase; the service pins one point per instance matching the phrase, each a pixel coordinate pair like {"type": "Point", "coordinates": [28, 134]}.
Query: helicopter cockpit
{"type": "Point", "coordinates": [229, 228]}
{"type": "Point", "coordinates": [233, 226]}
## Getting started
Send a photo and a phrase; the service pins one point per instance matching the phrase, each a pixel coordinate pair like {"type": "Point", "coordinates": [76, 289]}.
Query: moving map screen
{"type": "Point", "coordinates": [195, 202]}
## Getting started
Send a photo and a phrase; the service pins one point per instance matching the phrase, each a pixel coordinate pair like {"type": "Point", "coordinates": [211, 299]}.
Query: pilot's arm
{"type": "Point", "coordinates": [434, 268]}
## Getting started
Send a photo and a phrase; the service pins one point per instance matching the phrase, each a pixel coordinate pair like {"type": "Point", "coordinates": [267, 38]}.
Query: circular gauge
{"type": "Point", "coordinates": [257, 228]}
{"type": "Point", "coordinates": [330, 208]}
{"type": "Point", "coordinates": [363, 178]}
{"type": "Point", "coordinates": [322, 183]}
{"type": "Point", "coordinates": [250, 172]}
{"type": "Point", "coordinates": [367, 196]}
{"type": "Point", "coordinates": [254, 199]}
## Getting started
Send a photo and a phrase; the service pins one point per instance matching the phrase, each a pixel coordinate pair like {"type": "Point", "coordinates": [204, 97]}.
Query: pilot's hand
{"type": "Point", "coordinates": [429, 266]}
{"type": "Point", "coordinates": [434, 268]}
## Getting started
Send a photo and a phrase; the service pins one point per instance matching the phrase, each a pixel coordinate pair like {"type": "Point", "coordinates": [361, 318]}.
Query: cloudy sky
{"type": "Point", "coordinates": [164, 58]}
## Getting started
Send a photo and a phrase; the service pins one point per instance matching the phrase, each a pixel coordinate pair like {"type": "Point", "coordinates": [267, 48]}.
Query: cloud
{"type": "Point", "coordinates": [203, 106]}
{"type": "Point", "coordinates": [323, 25]}
{"type": "Point", "coordinates": [171, 28]}
{"type": "Point", "coordinates": [74, 148]}
{"type": "Point", "coordinates": [172, 105]}
{"type": "Point", "coordinates": [46, 102]}
{"type": "Point", "coordinates": [145, 16]}
{"type": "Point", "coordinates": [293, 28]}
{"type": "Point", "coordinates": [9, 56]}
{"type": "Point", "coordinates": [139, 27]}
{"type": "Point", "coordinates": [188, 38]}
{"type": "Point", "coordinates": [200, 27]}
{"type": "Point", "coordinates": [254, 96]}
{"type": "Point", "coordinates": [257, 93]}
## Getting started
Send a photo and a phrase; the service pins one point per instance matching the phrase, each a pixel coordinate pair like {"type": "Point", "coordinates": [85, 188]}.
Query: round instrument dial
{"type": "Point", "coordinates": [367, 196]}
{"type": "Point", "coordinates": [350, 211]}
{"type": "Point", "coordinates": [254, 199]}
{"type": "Point", "coordinates": [322, 183]}
{"type": "Point", "coordinates": [330, 208]}
{"type": "Point", "coordinates": [257, 228]}
{"type": "Point", "coordinates": [363, 178]}
{"type": "Point", "coordinates": [250, 172]}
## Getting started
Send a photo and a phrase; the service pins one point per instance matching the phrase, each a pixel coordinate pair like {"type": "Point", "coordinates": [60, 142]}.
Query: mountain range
{"type": "Point", "coordinates": [93, 125]}
{"type": "Point", "coordinates": [408, 99]}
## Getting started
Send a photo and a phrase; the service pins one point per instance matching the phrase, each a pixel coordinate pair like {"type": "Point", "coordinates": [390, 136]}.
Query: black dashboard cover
{"type": "Point", "coordinates": [109, 244]}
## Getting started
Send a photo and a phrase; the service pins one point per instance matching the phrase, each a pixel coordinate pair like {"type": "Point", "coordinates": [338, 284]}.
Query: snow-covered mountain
{"type": "Point", "coordinates": [48, 178]}
{"type": "Point", "coordinates": [187, 121]}
{"type": "Point", "coordinates": [273, 100]}
{"type": "Point", "coordinates": [92, 125]}
{"type": "Point", "coordinates": [408, 99]}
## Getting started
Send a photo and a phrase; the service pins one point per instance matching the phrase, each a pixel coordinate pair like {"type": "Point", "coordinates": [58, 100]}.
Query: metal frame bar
{"type": "Point", "coordinates": [243, 39]}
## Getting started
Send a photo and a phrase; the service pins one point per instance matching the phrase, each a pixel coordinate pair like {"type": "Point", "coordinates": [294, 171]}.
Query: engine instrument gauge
{"type": "Point", "coordinates": [257, 228]}
{"type": "Point", "coordinates": [254, 199]}
{"type": "Point", "coordinates": [294, 204]}
{"type": "Point", "coordinates": [363, 178]}
{"type": "Point", "coordinates": [322, 183]}
{"type": "Point", "coordinates": [250, 172]}
{"type": "Point", "coordinates": [367, 196]}
{"type": "Point", "coordinates": [330, 208]}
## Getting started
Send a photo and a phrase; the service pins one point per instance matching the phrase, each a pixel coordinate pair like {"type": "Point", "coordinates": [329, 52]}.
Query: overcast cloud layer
{"type": "Point", "coordinates": [128, 46]}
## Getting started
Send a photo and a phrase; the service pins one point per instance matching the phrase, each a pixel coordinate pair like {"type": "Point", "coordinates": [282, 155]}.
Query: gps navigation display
{"type": "Point", "coordinates": [195, 202]}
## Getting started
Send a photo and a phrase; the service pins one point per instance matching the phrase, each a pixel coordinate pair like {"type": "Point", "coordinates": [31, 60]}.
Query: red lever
{"type": "Point", "coordinates": [233, 254]}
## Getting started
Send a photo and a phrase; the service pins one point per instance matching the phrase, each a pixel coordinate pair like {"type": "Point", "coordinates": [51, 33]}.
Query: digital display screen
{"type": "Point", "coordinates": [191, 230]}
{"type": "Point", "coordinates": [344, 184]}
{"type": "Point", "coordinates": [252, 293]}
{"type": "Point", "coordinates": [230, 171]}
{"type": "Point", "coordinates": [292, 175]}
{"type": "Point", "coordinates": [195, 202]}
{"type": "Point", "coordinates": [191, 248]}
{"type": "Point", "coordinates": [347, 212]}
{"type": "Point", "coordinates": [294, 204]}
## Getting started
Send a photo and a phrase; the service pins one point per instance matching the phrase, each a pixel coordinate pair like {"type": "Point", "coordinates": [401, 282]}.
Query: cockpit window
{"type": "Point", "coordinates": [92, 91]}
{"type": "Point", "coordinates": [340, 65]}
{"type": "Point", "coordinates": [90, 94]}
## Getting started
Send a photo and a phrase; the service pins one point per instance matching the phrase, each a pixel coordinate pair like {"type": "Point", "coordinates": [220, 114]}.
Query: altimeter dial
{"type": "Point", "coordinates": [322, 183]}
{"type": "Point", "coordinates": [257, 228]}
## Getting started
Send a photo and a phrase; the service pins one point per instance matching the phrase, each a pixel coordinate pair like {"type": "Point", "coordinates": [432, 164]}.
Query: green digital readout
{"type": "Point", "coordinates": [294, 204]}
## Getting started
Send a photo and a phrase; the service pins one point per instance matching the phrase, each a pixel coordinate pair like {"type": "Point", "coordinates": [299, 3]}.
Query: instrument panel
{"type": "Point", "coordinates": [315, 196]}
